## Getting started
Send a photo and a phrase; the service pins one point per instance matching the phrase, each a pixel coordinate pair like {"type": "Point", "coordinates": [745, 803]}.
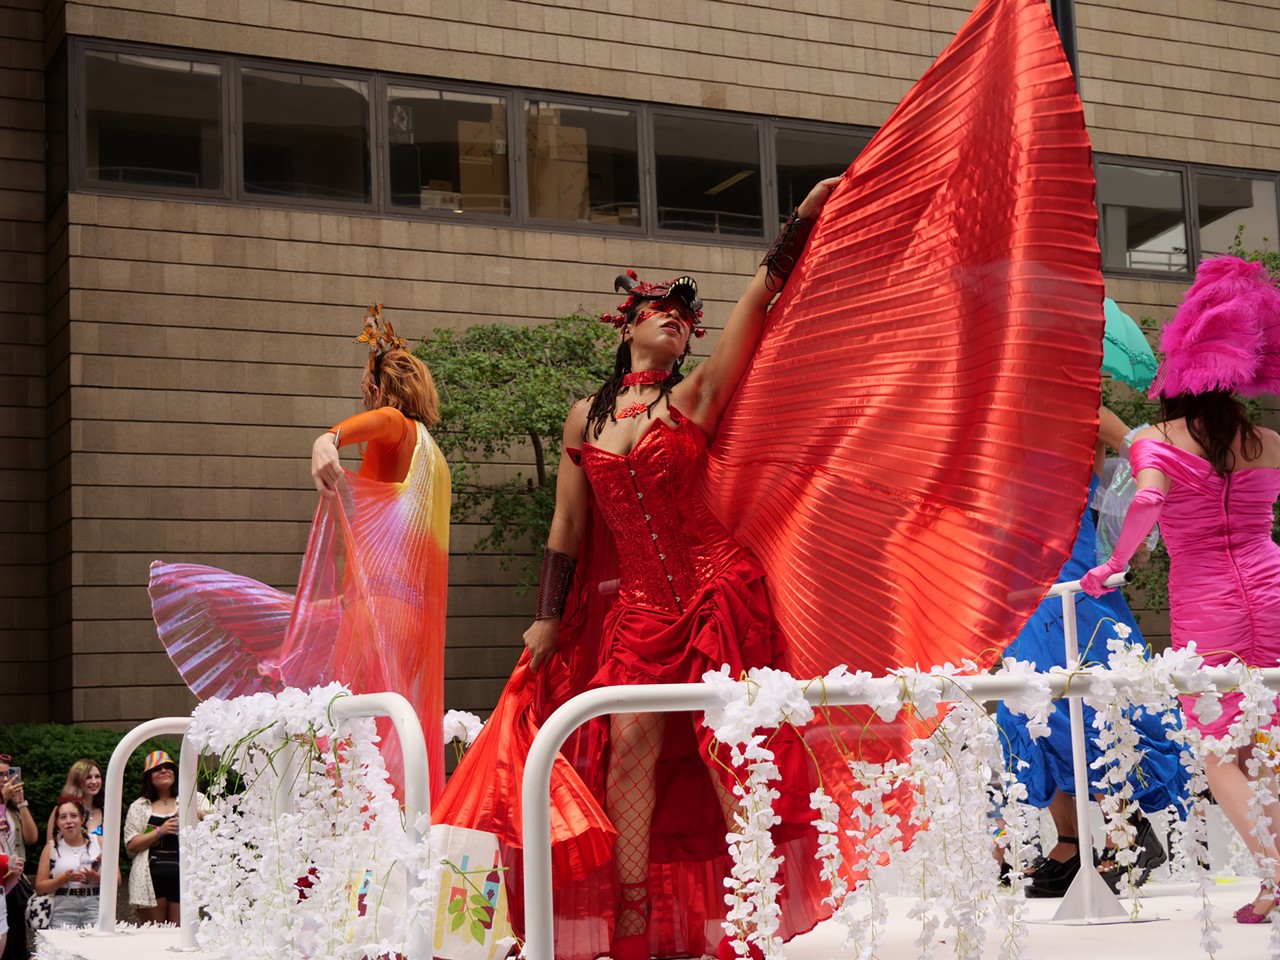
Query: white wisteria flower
{"type": "Point", "coordinates": [461, 725]}
{"type": "Point", "coordinates": [306, 852]}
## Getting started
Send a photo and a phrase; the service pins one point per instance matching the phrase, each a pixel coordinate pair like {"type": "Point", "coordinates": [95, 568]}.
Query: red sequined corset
{"type": "Point", "coordinates": [670, 545]}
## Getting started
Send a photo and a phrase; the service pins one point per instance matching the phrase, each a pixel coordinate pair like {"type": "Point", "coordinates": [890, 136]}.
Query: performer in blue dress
{"type": "Point", "coordinates": [1044, 765]}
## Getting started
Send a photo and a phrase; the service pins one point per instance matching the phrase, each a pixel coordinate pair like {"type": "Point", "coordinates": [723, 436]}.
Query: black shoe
{"type": "Point", "coordinates": [1041, 861]}
{"type": "Point", "coordinates": [1052, 880]}
{"type": "Point", "coordinates": [1151, 854]}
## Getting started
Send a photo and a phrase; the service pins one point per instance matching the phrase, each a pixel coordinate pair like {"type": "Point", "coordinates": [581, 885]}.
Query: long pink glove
{"type": "Point", "coordinates": [1138, 521]}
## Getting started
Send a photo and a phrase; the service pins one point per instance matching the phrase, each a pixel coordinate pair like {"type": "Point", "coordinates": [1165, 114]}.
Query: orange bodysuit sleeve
{"type": "Point", "coordinates": [391, 438]}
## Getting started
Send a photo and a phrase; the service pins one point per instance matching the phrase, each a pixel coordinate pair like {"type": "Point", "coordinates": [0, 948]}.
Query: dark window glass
{"type": "Point", "coordinates": [1144, 220]}
{"type": "Point", "coordinates": [584, 163]}
{"type": "Point", "coordinates": [154, 121]}
{"type": "Point", "coordinates": [55, 125]}
{"type": "Point", "coordinates": [305, 135]}
{"type": "Point", "coordinates": [807, 156]}
{"type": "Point", "coordinates": [707, 173]}
{"type": "Point", "coordinates": [1229, 204]}
{"type": "Point", "coordinates": [447, 151]}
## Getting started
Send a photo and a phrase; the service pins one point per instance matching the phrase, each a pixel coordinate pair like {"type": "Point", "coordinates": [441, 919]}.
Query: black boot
{"type": "Point", "coordinates": [1150, 854]}
{"type": "Point", "coordinates": [1051, 878]}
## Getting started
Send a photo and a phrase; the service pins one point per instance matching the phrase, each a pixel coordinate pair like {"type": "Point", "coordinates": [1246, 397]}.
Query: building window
{"type": "Point", "coordinates": [152, 121]}
{"type": "Point", "coordinates": [1228, 204]}
{"type": "Point", "coordinates": [583, 163]}
{"type": "Point", "coordinates": [805, 156]}
{"type": "Point", "coordinates": [447, 151]}
{"type": "Point", "coordinates": [1144, 219]}
{"type": "Point", "coordinates": [707, 175]}
{"type": "Point", "coordinates": [305, 136]}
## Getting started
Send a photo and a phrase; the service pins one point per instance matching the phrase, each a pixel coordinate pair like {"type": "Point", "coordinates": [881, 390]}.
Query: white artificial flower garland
{"type": "Point", "coordinates": [960, 788]}
{"type": "Point", "coordinates": [304, 854]}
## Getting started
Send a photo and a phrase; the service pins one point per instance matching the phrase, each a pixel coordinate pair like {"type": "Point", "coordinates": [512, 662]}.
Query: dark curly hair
{"type": "Point", "coordinates": [1214, 420]}
{"type": "Point", "coordinates": [603, 401]}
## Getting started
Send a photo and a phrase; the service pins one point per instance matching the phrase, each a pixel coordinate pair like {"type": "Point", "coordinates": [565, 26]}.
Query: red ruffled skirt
{"type": "Point", "coordinates": [728, 622]}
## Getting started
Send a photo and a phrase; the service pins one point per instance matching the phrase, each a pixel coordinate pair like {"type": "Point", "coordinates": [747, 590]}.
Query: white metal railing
{"type": "Point", "coordinates": [1089, 898]}
{"type": "Point", "coordinates": [417, 801]}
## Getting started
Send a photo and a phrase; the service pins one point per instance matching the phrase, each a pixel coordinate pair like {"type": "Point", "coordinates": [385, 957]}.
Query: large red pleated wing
{"type": "Point", "coordinates": [910, 452]}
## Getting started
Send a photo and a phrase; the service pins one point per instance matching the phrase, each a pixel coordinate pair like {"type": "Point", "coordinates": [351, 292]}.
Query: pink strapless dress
{"type": "Point", "coordinates": [1224, 570]}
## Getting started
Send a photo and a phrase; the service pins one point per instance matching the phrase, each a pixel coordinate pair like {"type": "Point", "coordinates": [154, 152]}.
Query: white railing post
{"type": "Point", "coordinates": [417, 791]}
{"type": "Point", "coordinates": [417, 784]}
{"type": "Point", "coordinates": [188, 813]}
{"type": "Point", "coordinates": [113, 798]}
{"type": "Point", "coordinates": [1088, 899]}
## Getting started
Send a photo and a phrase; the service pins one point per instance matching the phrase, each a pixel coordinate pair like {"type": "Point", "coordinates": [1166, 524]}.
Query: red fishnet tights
{"type": "Point", "coordinates": [635, 741]}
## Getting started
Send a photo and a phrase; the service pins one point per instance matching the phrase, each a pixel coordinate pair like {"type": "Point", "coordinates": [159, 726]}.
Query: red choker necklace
{"type": "Point", "coordinates": [644, 377]}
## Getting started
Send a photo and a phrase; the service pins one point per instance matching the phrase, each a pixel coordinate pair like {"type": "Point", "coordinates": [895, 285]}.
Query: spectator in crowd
{"type": "Point", "coordinates": [70, 867]}
{"type": "Point", "coordinates": [84, 780]}
{"type": "Point", "coordinates": [151, 839]}
{"type": "Point", "coordinates": [17, 829]}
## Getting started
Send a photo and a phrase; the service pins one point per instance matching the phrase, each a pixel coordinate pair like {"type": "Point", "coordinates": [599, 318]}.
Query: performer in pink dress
{"type": "Point", "coordinates": [1210, 477]}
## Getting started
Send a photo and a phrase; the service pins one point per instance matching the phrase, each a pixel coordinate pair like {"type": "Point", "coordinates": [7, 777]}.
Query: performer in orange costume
{"type": "Point", "coordinates": [891, 460]}
{"type": "Point", "coordinates": [370, 606]}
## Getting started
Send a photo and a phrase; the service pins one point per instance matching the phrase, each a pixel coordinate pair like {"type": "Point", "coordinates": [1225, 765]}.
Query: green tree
{"type": "Point", "coordinates": [505, 391]}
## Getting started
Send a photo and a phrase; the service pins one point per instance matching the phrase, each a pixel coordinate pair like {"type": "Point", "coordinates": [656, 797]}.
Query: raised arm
{"type": "Point", "coordinates": [713, 383]}
{"type": "Point", "coordinates": [385, 425]}
{"type": "Point", "coordinates": [561, 553]}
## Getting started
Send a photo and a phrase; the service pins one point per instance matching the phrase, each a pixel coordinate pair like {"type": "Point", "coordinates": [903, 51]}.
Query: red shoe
{"type": "Point", "coordinates": [726, 952]}
{"type": "Point", "coordinates": [1250, 914]}
{"type": "Point", "coordinates": [632, 946]}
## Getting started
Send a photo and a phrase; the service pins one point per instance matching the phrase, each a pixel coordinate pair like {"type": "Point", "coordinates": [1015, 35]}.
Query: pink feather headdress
{"type": "Point", "coordinates": [1225, 335]}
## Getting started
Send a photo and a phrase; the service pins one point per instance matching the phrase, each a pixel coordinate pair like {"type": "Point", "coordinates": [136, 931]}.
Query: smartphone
{"type": "Point", "coordinates": [15, 773]}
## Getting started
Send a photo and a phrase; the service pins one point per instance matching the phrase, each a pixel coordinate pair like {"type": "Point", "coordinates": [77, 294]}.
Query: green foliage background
{"type": "Point", "coordinates": [45, 753]}
{"type": "Point", "coordinates": [505, 391]}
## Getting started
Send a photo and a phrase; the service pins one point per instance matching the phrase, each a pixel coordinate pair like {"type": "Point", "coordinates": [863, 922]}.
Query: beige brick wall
{"type": "Point", "coordinates": [195, 349]}
{"type": "Point", "coordinates": [210, 344]}
{"type": "Point", "coordinates": [24, 672]}
{"type": "Point", "coordinates": [1194, 80]}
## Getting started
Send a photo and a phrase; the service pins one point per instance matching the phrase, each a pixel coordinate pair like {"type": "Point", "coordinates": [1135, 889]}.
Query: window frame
{"type": "Point", "coordinates": [1212, 170]}
{"type": "Point", "coordinates": [779, 124]}
{"type": "Point", "coordinates": [385, 81]}
{"type": "Point", "coordinates": [242, 196]}
{"type": "Point", "coordinates": [718, 239]}
{"type": "Point", "coordinates": [521, 162]}
{"type": "Point", "coordinates": [1191, 207]}
{"type": "Point", "coordinates": [78, 180]}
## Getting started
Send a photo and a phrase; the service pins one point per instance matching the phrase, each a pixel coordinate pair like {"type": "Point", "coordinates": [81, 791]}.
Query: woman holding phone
{"type": "Point", "coordinates": [70, 867]}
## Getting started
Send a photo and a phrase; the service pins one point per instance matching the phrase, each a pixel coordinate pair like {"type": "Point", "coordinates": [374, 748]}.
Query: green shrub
{"type": "Point", "coordinates": [46, 751]}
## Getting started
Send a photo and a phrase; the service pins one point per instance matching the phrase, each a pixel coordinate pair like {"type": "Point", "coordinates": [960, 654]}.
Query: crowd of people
{"type": "Point", "coordinates": [69, 870]}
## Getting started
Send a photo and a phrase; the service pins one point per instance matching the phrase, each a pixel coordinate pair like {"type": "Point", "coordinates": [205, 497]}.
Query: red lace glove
{"type": "Point", "coordinates": [1138, 521]}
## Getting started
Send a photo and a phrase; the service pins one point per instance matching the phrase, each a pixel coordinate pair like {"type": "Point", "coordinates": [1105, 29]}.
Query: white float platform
{"type": "Point", "coordinates": [1171, 933]}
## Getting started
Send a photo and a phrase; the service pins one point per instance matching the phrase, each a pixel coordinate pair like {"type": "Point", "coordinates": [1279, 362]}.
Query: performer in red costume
{"type": "Point", "coordinates": [691, 599]}
{"type": "Point", "coordinates": [370, 606]}
{"type": "Point", "coordinates": [890, 460]}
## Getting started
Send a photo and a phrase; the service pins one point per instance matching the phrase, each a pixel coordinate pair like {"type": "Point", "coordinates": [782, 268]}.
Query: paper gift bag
{"type": "Point", "coordinates": [471, 913]}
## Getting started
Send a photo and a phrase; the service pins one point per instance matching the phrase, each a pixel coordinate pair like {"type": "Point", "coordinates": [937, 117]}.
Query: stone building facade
{"type": "Point", "coordinates": [198, 196]}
